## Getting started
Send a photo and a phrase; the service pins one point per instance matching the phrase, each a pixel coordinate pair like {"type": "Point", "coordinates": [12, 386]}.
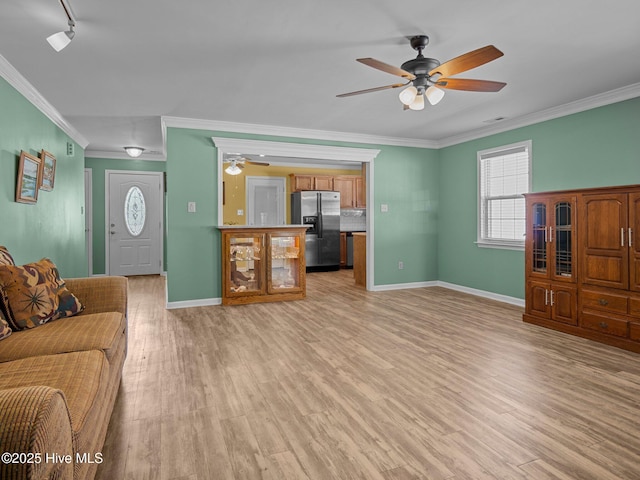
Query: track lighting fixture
{"type": "Point", "coordinates": [61, 39]}
{"type": "Point", "coordinates": [134, 152]}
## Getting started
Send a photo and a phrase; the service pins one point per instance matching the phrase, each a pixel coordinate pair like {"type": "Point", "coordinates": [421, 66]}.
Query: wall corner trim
{"type": "Point", "coordinates": [202, 302]}
{"type": "Point", "coordinates": [27, 90]}
{"type": "Point", "coordinates": [482, 293]}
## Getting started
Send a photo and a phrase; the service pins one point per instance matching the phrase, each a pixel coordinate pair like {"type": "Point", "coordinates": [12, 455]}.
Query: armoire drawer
{"type": "Point", "coordinates": [634, 306]}
{"type": "Point", "coordinates": [605, 301]}
{"type": "Point", "coordinates": [605, 324]}
{"type": "Point", "coordinates": [634, 331]}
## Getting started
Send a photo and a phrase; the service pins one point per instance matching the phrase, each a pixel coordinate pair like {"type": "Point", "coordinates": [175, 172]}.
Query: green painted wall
{"type": "Point", "coordinates": [98, 167]}
{"type": "Point", "coordinates": [599, 147]}
{"type": "Point", "coordinates": [405, 179]}
{"type": "Point", "coordinates": [54, 227]}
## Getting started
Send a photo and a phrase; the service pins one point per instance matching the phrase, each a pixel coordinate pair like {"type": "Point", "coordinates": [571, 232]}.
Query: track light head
{"type": "Point", "coordinates": [60, 40]}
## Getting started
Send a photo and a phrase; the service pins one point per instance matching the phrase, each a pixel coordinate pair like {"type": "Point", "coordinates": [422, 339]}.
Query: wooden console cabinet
{"type": "Point", "coordinates": [582, 263]}
{"type": "Point", "coordinates": [263, 264]}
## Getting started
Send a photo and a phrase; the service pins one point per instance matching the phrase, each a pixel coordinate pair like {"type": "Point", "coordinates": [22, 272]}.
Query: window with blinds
{"type": "Point", "coordinates": [503, 178]}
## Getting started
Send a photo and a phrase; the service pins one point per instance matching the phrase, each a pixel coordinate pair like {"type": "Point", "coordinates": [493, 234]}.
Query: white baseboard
{"type": "Point", "coordinates": [403, 286]}
{"type": "Point", "coordinates": [202, 302]}
{"type": "Point", "coordinates": [482, 293]}
{"type": "Point", "coordinates": [451, 286]}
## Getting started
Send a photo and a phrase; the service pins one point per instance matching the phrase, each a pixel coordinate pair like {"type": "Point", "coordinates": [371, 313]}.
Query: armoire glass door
{"type": "Point", "coordinates": [539, 251]}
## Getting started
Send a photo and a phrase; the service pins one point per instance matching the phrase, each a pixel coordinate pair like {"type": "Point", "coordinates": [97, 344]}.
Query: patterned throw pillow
{"type": "Point", "coordinates": [5, 330]}
{"type": "Point", "coordinates": [36, 294]}
{"type": "Point", "coordinates": [5, 256]}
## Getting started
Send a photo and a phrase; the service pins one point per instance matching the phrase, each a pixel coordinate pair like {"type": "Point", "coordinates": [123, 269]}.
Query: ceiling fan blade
{"type": "Point", "coordinates": [470, 84]}
{"type": "Point", "coordinates": [467, 61]}
{"type": "Point", "coordinates": [376, 89]}
{"type": "Point", "coordinates": [251, 162]}
{"type": "Point", "coordinates": [385, 67]}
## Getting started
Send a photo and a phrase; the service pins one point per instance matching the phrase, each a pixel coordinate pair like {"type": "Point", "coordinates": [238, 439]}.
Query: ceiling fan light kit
{"type": "Point", "coordinates": [237, 163]}
{"type": "Point", "coordinates": [233, 169]}
{"type": "Point", "coordinates": [60, 40]}
{"type": "Point", "coordinates": [427, 74]}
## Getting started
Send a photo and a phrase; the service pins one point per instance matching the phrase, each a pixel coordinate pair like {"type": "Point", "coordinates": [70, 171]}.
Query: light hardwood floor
{"type": "Point", "coordinates": [414, 384]}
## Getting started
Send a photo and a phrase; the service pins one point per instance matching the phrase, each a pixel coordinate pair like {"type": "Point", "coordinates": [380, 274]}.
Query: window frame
{"type": "Point", "coordinates": [483, 154]}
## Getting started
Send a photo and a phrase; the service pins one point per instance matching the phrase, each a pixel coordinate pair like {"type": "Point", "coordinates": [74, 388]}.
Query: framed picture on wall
{"type": "Point", "coordinates": [28, 178]}
{"type": "Point", "coordinates": [48, 170]}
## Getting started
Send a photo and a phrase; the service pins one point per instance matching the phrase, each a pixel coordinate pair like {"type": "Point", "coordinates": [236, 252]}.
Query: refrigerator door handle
{"type": "Point", "coordinates": [320, 227]}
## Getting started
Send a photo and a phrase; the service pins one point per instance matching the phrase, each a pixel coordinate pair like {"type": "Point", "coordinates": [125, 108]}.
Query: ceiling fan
{"type": "Point", "coordinates": [428, 76]}
{"type": "Point", "coordinates": [237, 163]}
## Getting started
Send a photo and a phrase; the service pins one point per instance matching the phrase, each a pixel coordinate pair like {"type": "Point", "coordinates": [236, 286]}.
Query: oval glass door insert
{"type": "Point", "coordinates": [134, 211]}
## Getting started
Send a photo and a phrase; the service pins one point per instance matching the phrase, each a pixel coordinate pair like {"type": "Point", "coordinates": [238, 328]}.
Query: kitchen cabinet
{"type": "Point", "coordinates": [346, 185]}
{"type": "Point", "coordinates": [360, 258]}
{"type": "Point", "coordinates": [351, 187]}
{"type": "Point", "coordinates": [361, 193]}
{"type": "Point", "coordinates": [343, 249]}
{"type": "Point", "coordinates": [311, 182]}
{"type": "Point", "coordinates": [263, 264]}
{"type": "Point", "coordinates": [585, 280]}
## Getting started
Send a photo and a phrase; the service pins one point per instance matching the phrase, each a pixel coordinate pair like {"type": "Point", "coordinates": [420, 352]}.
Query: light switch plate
{"type": "Point", "coordinates": [191, 207]}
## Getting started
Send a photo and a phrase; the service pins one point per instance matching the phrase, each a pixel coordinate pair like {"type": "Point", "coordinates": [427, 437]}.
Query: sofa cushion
{"type": "Point", "coordinates": [5, 257]}
{"type": "Point", "coordinates": [36, 294]}
{"type": "Point", "coordinates": [82, 377]}
{"type": "Point", "coordinates": [98, 331]}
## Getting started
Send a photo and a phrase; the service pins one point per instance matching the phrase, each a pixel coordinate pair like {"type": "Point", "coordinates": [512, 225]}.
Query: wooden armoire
{"type": "Point", "coordinates": [582, 263]}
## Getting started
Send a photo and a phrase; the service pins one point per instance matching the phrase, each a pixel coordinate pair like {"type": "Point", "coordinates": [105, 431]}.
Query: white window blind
{"type": "Point", "coordinates": [503, 175]}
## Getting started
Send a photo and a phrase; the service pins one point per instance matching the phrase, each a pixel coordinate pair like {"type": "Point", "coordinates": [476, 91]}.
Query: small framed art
{"type": "Point", "coordinates": [28, 178]}
{"type": "Point", "coordinates": [48, 170]}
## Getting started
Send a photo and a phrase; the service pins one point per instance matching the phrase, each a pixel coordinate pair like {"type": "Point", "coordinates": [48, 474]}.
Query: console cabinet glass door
{"type": "Point", "coordinates": [284, 263]}
{"type": "Point", "coordinates": [246, 276]}
{"type": "Point", "coordinates": [550, 246]}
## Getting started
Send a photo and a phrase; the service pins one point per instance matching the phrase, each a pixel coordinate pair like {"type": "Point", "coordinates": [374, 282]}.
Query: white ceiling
{"type": "Point", "coordinates": [282, 62]}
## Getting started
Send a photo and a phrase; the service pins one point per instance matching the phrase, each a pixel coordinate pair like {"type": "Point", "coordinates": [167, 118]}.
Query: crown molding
{"type": "Point", "coordinates": [600, 100]}
{"type": "Point", "coordinates": [274, 130]}
{"type": "Point", "coordinates": [294, 150]}
{"type": "Point", "coordinates": [28, 91]}
{"type": "Point", "coordinates": [154, 157]}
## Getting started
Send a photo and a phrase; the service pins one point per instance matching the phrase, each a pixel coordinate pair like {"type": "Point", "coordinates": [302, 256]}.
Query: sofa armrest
{"type": "Point", "coordinates": [35, 422]}
{"type": "Point", "coordinates": [100, 294]}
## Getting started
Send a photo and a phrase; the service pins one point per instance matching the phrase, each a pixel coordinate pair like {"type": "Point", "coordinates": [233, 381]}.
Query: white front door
{"type": "Point", "coordinates": [134, 223]}
{"type": "Point", "coordinates": [265, 200]}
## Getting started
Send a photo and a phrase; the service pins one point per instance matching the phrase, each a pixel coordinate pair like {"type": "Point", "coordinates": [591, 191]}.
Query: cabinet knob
{"type": "Point", "coordinates": [603, 302]}
{"type": "Point", "coordinates": [603, 325]}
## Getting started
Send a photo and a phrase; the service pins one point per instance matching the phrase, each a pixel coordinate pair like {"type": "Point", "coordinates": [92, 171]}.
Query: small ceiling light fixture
{"type": "Point", "coordinates": [134, 152]}
{"type": "Point", "coordinates": [233, 168]}
{"type": "Point", "coordinates": [61, 39]}
{"type": "Point", "coordinates": [434, 95]}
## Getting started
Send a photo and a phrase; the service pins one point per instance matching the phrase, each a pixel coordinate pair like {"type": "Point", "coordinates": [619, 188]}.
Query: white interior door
{"type": "Point", "coordinates": [265, 200]}
{"type": "Point", "coordinates": [134, 223]}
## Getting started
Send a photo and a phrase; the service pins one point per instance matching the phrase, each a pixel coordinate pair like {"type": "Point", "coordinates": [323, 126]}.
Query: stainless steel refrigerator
{"type": "Point", "coordinates": [321, 212]}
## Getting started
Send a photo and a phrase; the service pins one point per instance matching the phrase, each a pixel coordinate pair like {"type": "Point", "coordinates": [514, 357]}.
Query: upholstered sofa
{"type": "Point", "coordinates": [59, 381]}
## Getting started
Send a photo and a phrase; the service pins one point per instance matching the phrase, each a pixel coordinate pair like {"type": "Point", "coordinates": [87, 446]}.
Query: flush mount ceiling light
{"type": "Point", "coordinates": [134, 152]}
{"type": "Point", "coordinates": [61, 39]}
